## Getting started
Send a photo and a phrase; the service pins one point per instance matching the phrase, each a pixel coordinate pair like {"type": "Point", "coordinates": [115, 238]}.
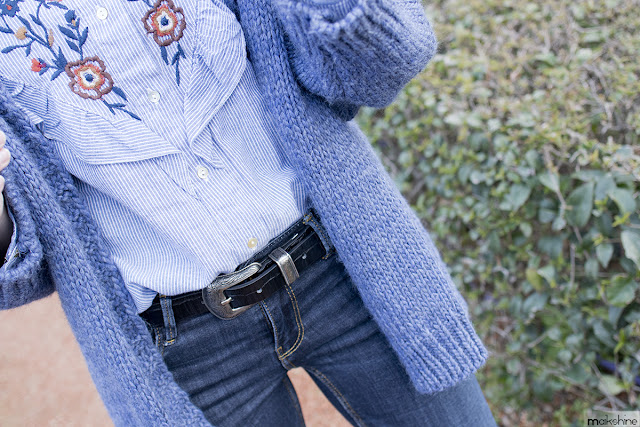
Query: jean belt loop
{"type": "Point", "coordinates": [313, 220]}
{"type": "Point", "coordinates": [170, 330]}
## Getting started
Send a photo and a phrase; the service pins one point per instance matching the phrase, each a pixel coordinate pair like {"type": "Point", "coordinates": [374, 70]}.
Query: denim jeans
{"type": "Point", "coordinates": [235, 370]}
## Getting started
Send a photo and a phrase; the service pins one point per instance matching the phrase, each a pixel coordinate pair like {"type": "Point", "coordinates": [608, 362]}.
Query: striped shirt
{"type": "Point", "coordinates": [155, 109]}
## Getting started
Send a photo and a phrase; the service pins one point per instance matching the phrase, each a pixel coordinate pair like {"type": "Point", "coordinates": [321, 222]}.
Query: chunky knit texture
{"type": "Point", "coordinates": [316, 63]}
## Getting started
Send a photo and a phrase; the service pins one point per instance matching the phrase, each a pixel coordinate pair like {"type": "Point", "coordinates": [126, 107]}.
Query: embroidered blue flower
{"type": "Point", "coordinates": [9, 7]}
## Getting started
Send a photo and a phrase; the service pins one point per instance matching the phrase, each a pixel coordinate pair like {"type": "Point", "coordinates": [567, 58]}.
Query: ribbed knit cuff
{"type": "Point", "coordinates": [445, 355]}
{"type": "Point", "coordinates": [22, 280]}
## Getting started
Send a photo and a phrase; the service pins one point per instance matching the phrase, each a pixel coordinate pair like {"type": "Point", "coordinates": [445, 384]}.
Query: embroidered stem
{"type": "Point", "coordinates": [176, 61]}
{"type": "Point", "coordinates": [120, 107]}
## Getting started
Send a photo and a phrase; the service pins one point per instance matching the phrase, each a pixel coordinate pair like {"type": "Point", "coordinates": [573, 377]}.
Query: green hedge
{"type": "Point", "coordinates": [518, 147]}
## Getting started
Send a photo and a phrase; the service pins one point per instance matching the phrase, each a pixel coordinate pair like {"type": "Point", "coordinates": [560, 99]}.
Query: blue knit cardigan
{"type": "Point", "coordinates": [317, 64]}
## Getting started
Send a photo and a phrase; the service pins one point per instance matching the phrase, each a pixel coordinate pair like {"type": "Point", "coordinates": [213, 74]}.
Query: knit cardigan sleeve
{"type": "Point", "coordinates": [356, 52]}
{"type": "Point", "coordinates": [24, 277]}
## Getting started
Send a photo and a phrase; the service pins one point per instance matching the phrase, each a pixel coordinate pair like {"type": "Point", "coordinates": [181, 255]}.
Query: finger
{"type": "Point", "coordinates": [3, 138]}
{"type": "Point", "coordinates": [1, 184]}
{"type": "Point", "coordinates": [5, 157]}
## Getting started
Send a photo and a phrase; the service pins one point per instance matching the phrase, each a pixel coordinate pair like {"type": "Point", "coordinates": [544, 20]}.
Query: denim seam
{"type": "Point", "coordinates": [288, 362]}
{"type": "Point", "coordinates": [296, 403]}
{"type": "Point", "coordinates": [273, 323]}
{"type": "Point", "coordinates": [324, 237]}
{"type": "Point", "coordinates": [339, 396]}
{"type": "Point", "coordinates": [170, 322]}
{"type": "Point", "coordinates": [159, 343]}
{"type": "Point", "coordinates": [300, 337]}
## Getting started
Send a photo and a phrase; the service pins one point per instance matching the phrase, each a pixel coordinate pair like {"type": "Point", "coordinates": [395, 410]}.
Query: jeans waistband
{"type": "Point", "coordinates": [166, 303]}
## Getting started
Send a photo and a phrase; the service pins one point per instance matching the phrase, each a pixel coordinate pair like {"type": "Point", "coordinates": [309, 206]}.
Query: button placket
{"type": "Point", "coordinates": [252, 243]}
{"type": "Point", "coordinates": [153, 96]}
{"type": "Point", "coordinates": [203, 173]}
{"type": "Point", "coordinates": [102, 13]}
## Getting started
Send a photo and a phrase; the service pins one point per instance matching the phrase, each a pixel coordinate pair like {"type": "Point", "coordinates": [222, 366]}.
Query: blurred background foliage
{"type": "Point", "coordinates": [518, 147]}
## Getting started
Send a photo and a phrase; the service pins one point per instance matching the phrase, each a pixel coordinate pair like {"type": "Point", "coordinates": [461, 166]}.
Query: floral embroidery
{"type": "Point", "coordinates": [88, 76]}
{"type": "Point", "coordinates": [37, 65]}
{"type": "Point", "coordinates": [21, 33]}
{"type": "Point", "coordinates": [166, 22]}
{"type": "Point", "coordinates": [9, 7]}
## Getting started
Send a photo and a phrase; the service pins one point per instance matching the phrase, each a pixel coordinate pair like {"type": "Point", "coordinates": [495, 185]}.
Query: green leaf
{"type": "Point", "coordinates": [603, 333]}
{"type": "Point", "coordinates": [604, 253]}
{"type": "Point", "coordinates": [549, 274]}
{"type": "Point", "coordinates": [610, 385]}
{"type": "Point", "coordinates": [624, 200]}
{"type": "Point", "coordinates": [551, 245]}
{"type": "Point", "coordinates": [604, 186]}
{"type": "Point", "coordinates": [631, 244]}
{"type": "Point", "coordinates": [525, 228]}
{"type": "Point", "coordinates": [518, 194]}
{"type": "Point", "coordinates": [621, 291]}
{"type": "Point", "coordinates": [558, 224]}
{"type": "Point", "coordinates": [621, 341]}
{"type": "Point", "coordinates": [581, 202]}
{"type": "Point", "coordinates": [550, 180]}
{"type": "Point", "coordinates": [546, 215]}
{"type": "Point", "coordinates": [534, 302]}
{"type": "Point", "coordinates": [591, 268]}
{"type": "Point", "coordinates": [534, 278]}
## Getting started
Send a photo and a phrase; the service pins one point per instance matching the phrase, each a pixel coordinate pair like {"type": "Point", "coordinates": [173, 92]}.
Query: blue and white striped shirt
{"type": "Point", "coordinates": [155, 109]}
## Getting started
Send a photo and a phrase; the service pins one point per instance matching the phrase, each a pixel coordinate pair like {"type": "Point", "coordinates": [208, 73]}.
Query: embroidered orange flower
{"type": "Point", "coordinates": [89, 78]}
{"type": "Point", "coordinates": [37, 65]}
{"type": "Point", "coordinates": [165, 21]}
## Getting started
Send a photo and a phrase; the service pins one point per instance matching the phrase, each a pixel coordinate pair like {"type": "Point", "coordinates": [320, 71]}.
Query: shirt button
{"type": "Point", "coordinates": [154, 96]}
{"type": "Point", "coordinates": [102, 13]}
{"type": "Point", "coordinates": [203, 173]}
{"type": "Point", "coordinates": [253, 242]}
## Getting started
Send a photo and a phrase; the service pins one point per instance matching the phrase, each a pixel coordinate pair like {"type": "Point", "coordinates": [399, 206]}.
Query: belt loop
{"type": "Point", "coordinates": [313, 220]}
{"type": "Point", "coordinates": [170, 330]}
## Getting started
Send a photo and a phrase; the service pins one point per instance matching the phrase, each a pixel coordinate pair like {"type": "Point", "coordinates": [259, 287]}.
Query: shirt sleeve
{"type": "Point", "coordinates": [24, 276]}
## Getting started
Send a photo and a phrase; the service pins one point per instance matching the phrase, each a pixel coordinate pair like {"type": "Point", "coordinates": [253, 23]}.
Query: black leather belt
{"type": "Point", "coordinates": [231, 294]}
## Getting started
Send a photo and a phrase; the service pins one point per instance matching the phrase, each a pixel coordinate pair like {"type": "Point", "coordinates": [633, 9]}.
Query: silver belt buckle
{"type": "Point", "coordinates": [213, 295]}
